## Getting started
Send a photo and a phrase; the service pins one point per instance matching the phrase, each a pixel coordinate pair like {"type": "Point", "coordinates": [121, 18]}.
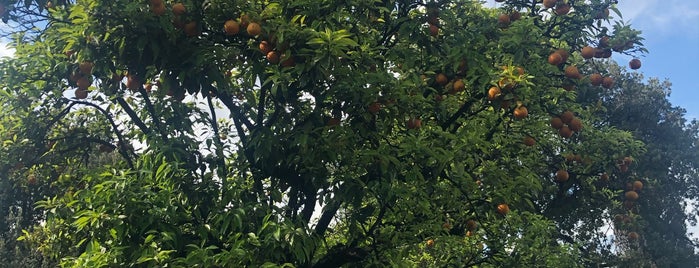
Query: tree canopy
{"type": "Point", "coordinates": [319, 133]}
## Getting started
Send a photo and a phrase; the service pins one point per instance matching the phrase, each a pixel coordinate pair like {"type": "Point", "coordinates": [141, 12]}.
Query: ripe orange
{"type": "Point", "coordinates": [515, 16]}
{"type": "Point", "coordinates": [596, 79]}
{"type": "Point", "coordinates": [575, 125]}
{"type": "Point", "coordinates": [80, 93]}
{"type": "Point", "coordinates": [178, 9]}
{"type": "Point", "coordinates": [471, 225]}
{"type": "Point", "coordinates": [556, 123]}
{"type": "Point", "coordinates": [414, 123]}
{"type": "Point", "coordinates": [604, 41]}
{"type": "Point", "coordinates": [521, 112]}
{"type": "Point", "coordinates": [562, 175]}
{"type": "Point", "coordinates": [607, 82]}
{"type": "Point", "coordinates": [265, 47]}
{"type": "Point", "coordinates": [133, 83]}
{"type": "Point", "coordinates": [572, 72]}
{"type": "Point", "coordinates": [631, 195]}
{"type": "Point", "coordinates": [191, 29]}
{"type": "Point", "coordinates": [254, 29]}
{"type": "Point", "coordinates": [434, 30]}
{"type": "Point", "coordinates": [231, 27]}
{"type": "Point", "coordinates": [333, 122]}
{"type": "Point", "coordinates": [529, 141]}
{"type": "Point", "coordinates": [555, 59]}
{"type": "Point", "coordinates": [562, 9]}
{"type": "Point", "coordinates": [83, 83]}
{"type": "Point", "coordinates": [567, 117]}
{"type": "Point", "coordinates": [587, 52]}
{"type": "Point", "coordinates": [503, 209]}
{"type": "Point", "coordinates": [504, 19]}
{"type": "Point", "coordinates": [563, 53]}
{"type": "Point", "coordinates": [288, 62]}
{"type": "Point", "coordinates": [374, 107]}
{"type": "Point", "coordinates": [635, 64]}
{"type": "Point", "coordinates": [565, 132]}
{"type": "Point", "coordinates": [458, 85]}
{"type": "Point", "coordinates": [550, 3]}
{"type": "Point", "coordinates": [637, 185]}
{"type": "Point", "coordinates": [441, 79]}
{"type": "Point", "coordinates": [430, 243]}
{"type": "Point", "coordinates": [493, 93]}
{"type": "Point", "coordinates": [157, 7]}
{"type": "Point", "coordinates": [273, 57]}
{"type": "Point", "coordinates": [633, 235]}
{"type": "Point", "coordinates": [604, 177]}
{"type": "Point", "coordinates": [85, 67]}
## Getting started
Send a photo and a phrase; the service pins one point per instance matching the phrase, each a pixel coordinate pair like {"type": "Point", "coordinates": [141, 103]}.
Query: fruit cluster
{"type": "Point", "coordinates": [566, 124]}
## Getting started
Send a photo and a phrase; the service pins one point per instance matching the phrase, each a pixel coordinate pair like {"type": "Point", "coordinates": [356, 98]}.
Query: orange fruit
{"type": "Point", "coordinates": [80, 93]}
{"type": "Point", "coordinates": [607, 82]}
{"type": "Point", "coordinates": [567, 117]}
{"type": "Point", "coordinates": [572, 72]}
{"type": "Point", "coordinates": [550, 3]}
{"type": "Point", "coordinates": [178, 9]}
{"type": "Point", "coordinates": [231, 27]}
{"type": "Point", "coordinates": [563, 53]}
{"type": "Point", "coordinates": [273, 57]}
{"type": "Point", "coordinates": [471, 225]}
{"type": "Point", "coordinates": [254, 29]}
{"type": "Point", "coordinates": [504, 19]}
{"type": "Point", "coordinates": [430, 243]}
{"type": "Point", "coordinates": [133, 83]}
{"type": "Point", "coordinates": [633, 235]}
{"type": "Point", "coordinates": [515, 16]}
{"type": "Point", "coordinates": [529, 141]}
{"type": "Point", "coordinates": [191, 29]}
{"type": "Point", "coordinates": [562, 175]}
{"type": "Point", "coordinates": [85, 67]}
{"type": "Point", "coordinates": [288, 62]}
{"type": "Point", "coordinates": [604, 177]}
{"type": "Point", "coordinates": [556, 123]}
{"type": "Point", "coordinates": [414, 123]}
{"type": "Point", "coordinates": [596, 79]}
{"type": "Point", "coordinates": [157, 7]}
{"type": "Point", "coordinates": [434, 30]}
{"type": "Point", "coordinates": [503, 209]}
{"type": "Point", "coordinates": [602, 14]}
{"type": "Point", "coordinates": [458, 85]}
{"type": "Point", "coordinates": [562, 9]}
{"type": "Point", "coordinates": [374, 107]}
{"type": "Point", "coordinates": [493, 93]}
{"type": "Point", "coordinates": [635, 64]}
{"type": "Point", "coordinates": [441, 79]}
{"type": "Point", "coordinates": [565, 132]}
{"type": "Point", "coordinates": [637, 185]}
{"type": "Point", "coordinates": [575, 125]}
{"type": "Point", "coordinates": [83, 83]}
{"type": "Point", "coordinates": [265, 47]}
{"type": "Point", "coordinates": [631, 195]}
{"type": "Point", "coordinates": [555, 59]}
{"type": "Point", "coordinates": [587, 52]}
{"type": "Point", "coordinates": [521, 112]}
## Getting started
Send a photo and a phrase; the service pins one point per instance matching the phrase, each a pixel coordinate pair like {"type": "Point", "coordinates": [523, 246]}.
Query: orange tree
{"type": "Point", "coordinates": [315, 133]}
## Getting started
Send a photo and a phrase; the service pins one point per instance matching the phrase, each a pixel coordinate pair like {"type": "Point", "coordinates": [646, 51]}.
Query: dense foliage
{"type": "Point", "coordinates": [328, 133]}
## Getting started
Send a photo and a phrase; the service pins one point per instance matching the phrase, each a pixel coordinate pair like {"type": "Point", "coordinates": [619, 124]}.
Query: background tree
{"type": "Point", "coordinates": [359, 133]}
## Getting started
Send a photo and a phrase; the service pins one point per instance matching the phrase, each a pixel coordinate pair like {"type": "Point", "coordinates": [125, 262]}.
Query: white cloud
{"type": "Point", "coordinates": [5, 51]}
{"type": "Point", "coordinates": [662, 16]}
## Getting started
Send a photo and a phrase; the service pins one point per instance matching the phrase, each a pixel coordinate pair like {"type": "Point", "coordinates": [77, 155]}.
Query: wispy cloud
{"type": "Point", "coordinates": [665, 17]}
{"type": "Point", "coordinates": [5, 51]}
